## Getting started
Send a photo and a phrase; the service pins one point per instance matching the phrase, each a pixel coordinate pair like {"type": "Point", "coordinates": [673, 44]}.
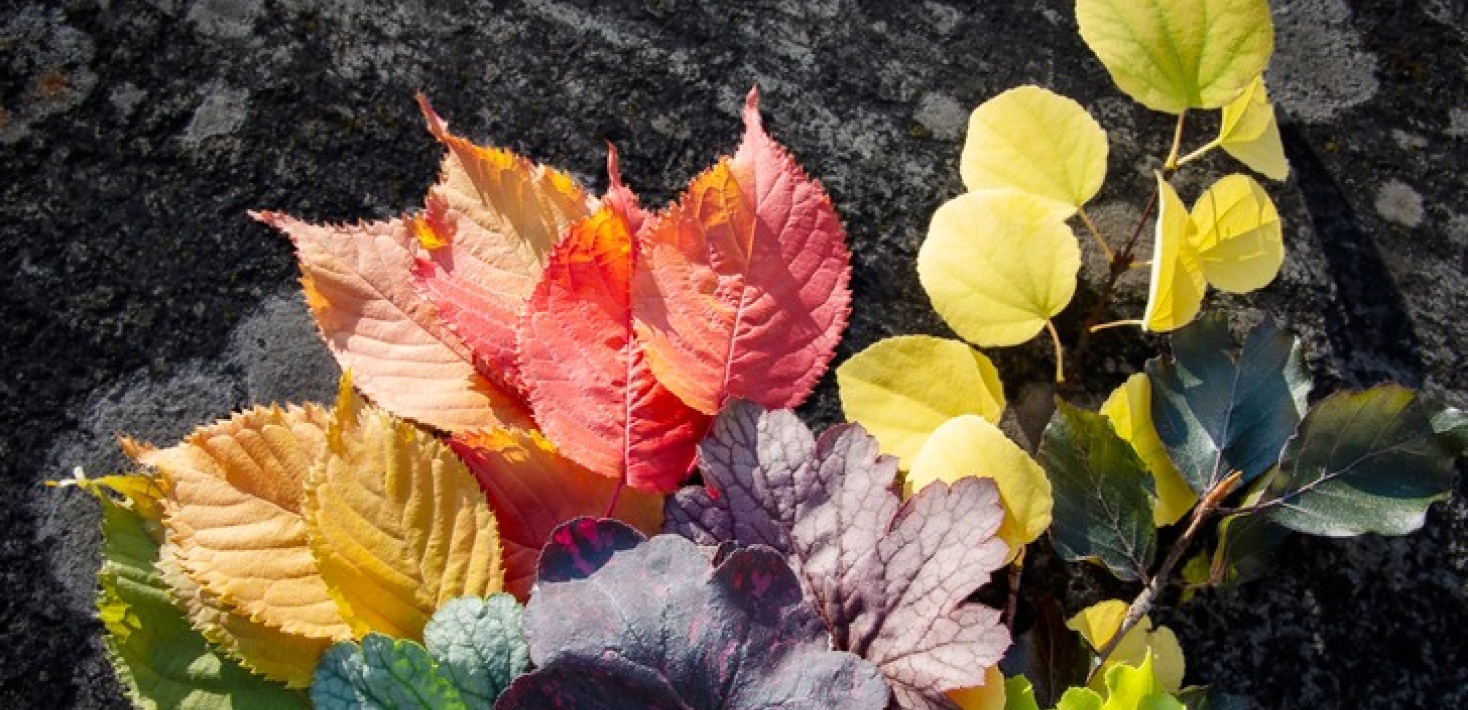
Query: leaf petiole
{"type": "Point", "coordinates": [1190, 157]}
{"type": "Point", "coordinates": [1059, 351]}
{"type": "Point", "coordinates": [1117, 324]}
{"type": "Point", "coordinates": [1172, 163]}
{"type": "Point", "coordinates": [1096, 234]}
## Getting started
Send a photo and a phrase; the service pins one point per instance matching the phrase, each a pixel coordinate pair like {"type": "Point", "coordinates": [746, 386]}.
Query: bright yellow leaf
{"type": "Point", "coordinates": [398, 524]}
{"type": "Point", "coordinates": [1035, 141]}
{"type": "Point", "coordinates": [1250, 133]}
{"type": "Point", "coordinates": [233, 510]}
{"type": "Point", "coordinates": [1173, 55]}
{"type": "Point", "coordinates": [1238, 235]}
{"type": "Point", "coordinates": [969, 445]}
{"type": "Point", "coordinates": [1175, 294]}
{"type": "Point", "coordinates": [998, 264]}
{"type": "Point", "coordinates": [900, 389]}
{"type": "Point", "coordinates": [1099, 622]}
{"type": "Point", "coordinates": [1130, 410]}
{"type": "Point", "coordinates": [989, 696]}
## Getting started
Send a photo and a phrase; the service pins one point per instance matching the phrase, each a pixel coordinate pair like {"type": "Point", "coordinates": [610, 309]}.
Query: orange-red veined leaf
{"type": "Point", "coordinates": [743, 285]}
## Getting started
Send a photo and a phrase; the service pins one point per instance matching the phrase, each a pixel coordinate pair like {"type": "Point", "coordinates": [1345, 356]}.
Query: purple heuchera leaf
{"type": "Point", "coordinates": [889, 579]}
{"type": "Point", "coordinates": [617, 622]}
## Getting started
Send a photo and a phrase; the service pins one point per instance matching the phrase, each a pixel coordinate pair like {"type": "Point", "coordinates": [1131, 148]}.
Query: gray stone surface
{"type": "Point", "coordinates": [139, 299]}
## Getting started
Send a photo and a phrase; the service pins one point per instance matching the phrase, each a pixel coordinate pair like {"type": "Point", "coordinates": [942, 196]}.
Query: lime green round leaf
{"type": "Point", "coordinates": [1019, 694]}
{"type": "Point", "coordinates": [1239, 238]}
{"type": "Point", "coordinates": [1138, 688]}
{"type": "Point", "coordinates": [1175, 294]}
{"type": "Point", "coordinates": [900, 389]}
{"type": "Point", "coordinates": [1099, 622]}
{"type": "Point", "coordinates": [1363, 462]}
{"type": "Point", "coordinates": [1078, 698]}
{"type": "Point", "coordinates": [970, 445]}
{"type": "Point", "coordinates": [1130, 410]}
{"type": "Point", "coordinates": [998, 264]}
{"type": "Point", "coordinates": [1035, 141]}
{"type": "Point", "coordinates": [1173, 55]}
{"type": "Point", "coordinates": [1250, 133]}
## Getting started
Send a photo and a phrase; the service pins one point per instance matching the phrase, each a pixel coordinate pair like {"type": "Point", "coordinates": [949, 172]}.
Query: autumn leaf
{"type": "Point", "coordinates": [1237, 234]}
{"type": "Point", "coordinates": [1250, 133]}
{"type": "Point", "coordinates": [1175, 290]}
{"type": "Point", "coordinates": [1038, 142]}
{"type": "Point", "coordinates": [359, 286]}
{"type": "Point", "coordinates": [533, 489]}
{"type": "Point", "coordinates": [1130, 410]}
{"type": "Point", "coordinates": [889, 578]}
{"type": "Point", "coordinates": [1098, 624]}
{"type": "Point", "coordinates": [586, 374]}
{"type": "Point", "coordinates": [742, 290]}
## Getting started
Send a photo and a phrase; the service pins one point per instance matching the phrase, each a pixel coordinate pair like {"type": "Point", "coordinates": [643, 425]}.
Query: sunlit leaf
{"type": "Point", "coordinates": [1099, 622]}
{"type": "Point", "coordinates": [900, 389]}
{"type": "Point", "coordinates": [989, 696]}
{"type": "Point", "coordinates": [383, 673]}
{"type": "Point", "coordinates": [969, 445]}
{"type": "Point", "coordinates": [533, 489]}
{"type": "Point", "coordinates": [1239, 239]}
{"type": "Point", "coordinates": [1130, 410]}
{"type": "Point", "coordinates": [1138, 687]}
{"type": "Point", "coordinates": [1038, 142]}
{"type": "Point", "coordinates": [1250, 133]}
{"type": "Point", "coordinates": [1175, 292]}
{"type": "Point", "coordinates": [480, 644]}
{"type": "Point", "coordinates": [1173, 55]}
{"type": "Point", "coordinates": [998, 264]}
{"type": "Point", "coordinates": [1363, 462]}
{"type": "Point", "coordinates": [397, 523]}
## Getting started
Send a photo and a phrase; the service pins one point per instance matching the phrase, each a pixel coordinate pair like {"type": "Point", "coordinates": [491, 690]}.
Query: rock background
{"type": "Point", "coordinates": [138, 298]}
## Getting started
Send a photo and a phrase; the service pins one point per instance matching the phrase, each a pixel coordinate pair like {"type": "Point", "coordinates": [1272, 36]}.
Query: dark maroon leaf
{"type": "Point", "coordinates": [889, 579]}
{"type": "Point", "coordinates": [653, 625]}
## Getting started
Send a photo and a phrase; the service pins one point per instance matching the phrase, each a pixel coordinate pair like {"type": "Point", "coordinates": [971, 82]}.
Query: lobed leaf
{"type": "Point", "coordinates": [998, 264]}
{"type": "Point", "coordinates": [533, 489]}
{"type": "Point", "coordinates": [1250, 133]}
{"type": "Point", "coordinates": [480, 644]}
{"type": "Point", "coordinates": [743, 289]}
{"type": "Point", "coordinates": [1103, 493]}
{"type": "Point", "coordinates": [622, 622]}
{"type": "Point", "coordinates": [586, 374]}
{"type": "Point", "coordinates": [1175, 291]}
{"type": "Point", "coordinates": [1363, 462]}
{"type": "Point", "coordinates": [970, 446]}
{"type": "Point", "coordinates": [1137, 688]}
{"type": "Point", "coordinates": [1217, 412]}
{"type": "Point", "coordinates": [1130, 410]}
{"type": "Point", "coordinates": [900, 389]}
{"type": "Point", "coordinates": [1038, 142]}
{"type": "Point", "coordinates": [1173, 55]}
{"type": "Point", "coordinates": [1239, 239]}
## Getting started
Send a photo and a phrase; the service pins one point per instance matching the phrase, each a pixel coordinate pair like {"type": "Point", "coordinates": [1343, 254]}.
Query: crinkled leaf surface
{"type": "Point", "coordinates": [533, 489]}
{"type": "Point", "coordinates": [1099, 622]}
{"type": "Point", "coordinates": [900, 389]}
{"type": "Point", "coordinates": [1238, 235]}
{"type": "Point", "coordinates": [383, 674]}
{"type": "Point", "coordinates": [889, 579]}
{"type": "Point", "coordinates": [1103, 493]}
{"type": "Point", "coordinates": [1363, 462]}
{"type": "Point", "coordinates": [397, 523]}
{"type": "Point", "coordinates": [970, 445]}
{"type": "Point", "coordinates": [997, 264]}
{"type": "Point", "coordinates": [587, 375]}
{"type": "Point", "coordinates": [622, 622]}
{"type": "Point", "coordinates": [1136, 688]}
{"type": "Point", "coordinates": [480, 644]}
{"type": "Point", "coordinates": [743, 290]}
{"type": "Point", "coordinates": [1175, 291]}
{"type": "Point", "coordinates": [233, 513]}
{"type": "Point", "coordinates": [1038, 142]}
{"type": "Point", "coordinates": [162, 662]}
{"type": "Point", "coordinates": [1173, 55]}
{"type": "Point", "coordinates": [1130, 410]}
{"type": "Point", "coordinates": [1049, 656]}
{"type": "Point", "coordinates": [1250, 133]}
{"type": "Point", "coordinates": [1217, 411]}
{"type": "Point", "coordinates": [359, 286]}
{"type": "Point", "coordinates": [491, 223]}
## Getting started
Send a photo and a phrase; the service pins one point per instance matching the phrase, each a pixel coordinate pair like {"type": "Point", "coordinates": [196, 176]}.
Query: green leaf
{"type": "Point", "coordinates": [161, 661]}
{"type": "Point", "coordinates": [1103, 493]}
{"type": "Point", "coordinates": [338, 677]}
{"type": "Point", "coordinates": [1019, 695]}
{"type": "Point", "coordinates": [382, 673]}
{"type": "Point", "coordinates": [1173, 55]}
{"type": "Point", "coordinates": [1137, 688]}
{"type": "Point", "coordinates": [1364, 462]}
{"type": "Point", "coordinates": [1246, 546]}
{"type": "Point", "coordinates": [481, 644]}
{"type": "Point", "coordinates": [1080, 699]}
{"type": "Point", "coordinates": [1217, 412]}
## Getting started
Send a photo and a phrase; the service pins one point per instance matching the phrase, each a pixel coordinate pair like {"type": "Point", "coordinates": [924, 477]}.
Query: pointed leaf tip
{"type": "Point", "coordinates": [752, 120]}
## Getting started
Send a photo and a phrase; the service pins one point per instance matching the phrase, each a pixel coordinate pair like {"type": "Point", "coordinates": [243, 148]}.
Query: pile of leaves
{"type": "Point", "coordinates": [562, 470]}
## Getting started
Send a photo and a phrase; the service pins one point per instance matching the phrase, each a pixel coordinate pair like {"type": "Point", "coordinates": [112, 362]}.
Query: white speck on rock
{"type": "Point", "coordinates": [221, 113]}
{"type": "Point", "coordinates": [945, 19]}
{"type": "Point", "coordinates": [1408, 141]}
{"type": "Point", "coordinates": [229, 19]}
{"type": "Point", "coordinates": [1398, 202]}
{"type": "Point", "coordinates": [126, 98]}
{"type": "Point", "coordinates": [1457, 123]}
{"type": "Point", "coordinates": [1319, 68]}
{"type": "Point", "coordinates": [942, 115]}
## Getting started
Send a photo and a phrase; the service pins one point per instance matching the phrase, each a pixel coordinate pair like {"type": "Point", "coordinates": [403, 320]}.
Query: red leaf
{"type": "Point", "coordinates": [743, 291]}
{"type": "Point", "coordinates": [533, 490]}
{"type": "Point", "coordinates": [585, 374]}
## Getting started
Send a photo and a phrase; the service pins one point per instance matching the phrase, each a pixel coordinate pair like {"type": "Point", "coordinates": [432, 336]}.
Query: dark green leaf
{"type": "Point", "coordinates": [1246, 546]}
{"type": "Point", "coordinates": [480, 643]}
{"type": "Point", "coordinates": [1049, 654]}
{"type": "Point", "coordinates": [1217, 412]}
{"type": "Point", "coordinates": [382, 674]}
{"type": "Point", "coordinates": [337, 679]}
{"type": "Point", "coordinates": [1364, 462]}
{"type": "Point", "coordinates": [1201, 697]}
{"type": "Point", "coordinates": [1103, 493]}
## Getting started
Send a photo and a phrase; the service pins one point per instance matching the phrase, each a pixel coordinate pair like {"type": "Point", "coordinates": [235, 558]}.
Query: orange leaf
{"type": "Point", "coordinates": [585, 374]}
{"type": "Point", "coordinates": [743, 287]}
{"type": "Point", "coordinates": [533, 489]}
